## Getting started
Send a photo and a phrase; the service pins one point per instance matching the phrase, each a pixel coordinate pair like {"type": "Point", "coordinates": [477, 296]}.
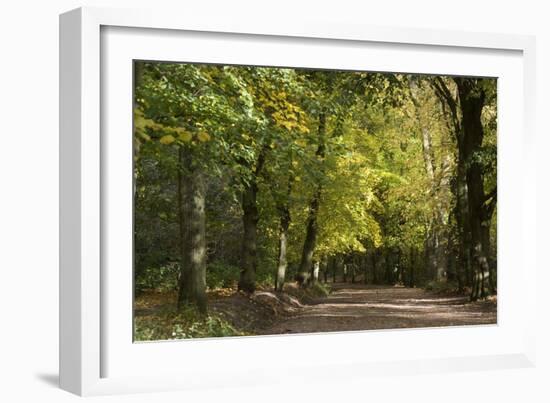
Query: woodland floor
{"type": "Point", "coordinates": [348, 307]}
{"type": "Point", "coordinates": [359, 307]}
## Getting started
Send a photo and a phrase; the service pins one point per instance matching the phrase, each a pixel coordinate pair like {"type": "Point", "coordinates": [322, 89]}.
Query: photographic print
{"type": "Point", "coordinates": [274, 200]}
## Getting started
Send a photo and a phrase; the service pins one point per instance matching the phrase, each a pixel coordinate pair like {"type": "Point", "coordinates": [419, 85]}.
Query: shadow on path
{"type": "Point", "coordinates": [363, 307]}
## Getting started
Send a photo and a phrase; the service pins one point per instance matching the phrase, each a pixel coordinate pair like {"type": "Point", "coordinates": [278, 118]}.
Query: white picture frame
{"type": "Point", "coordinates": [96, 355]}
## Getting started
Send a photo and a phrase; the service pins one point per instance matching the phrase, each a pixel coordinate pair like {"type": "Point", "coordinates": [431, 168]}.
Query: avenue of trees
{"type": "Point", "coordinates": [254, 177]}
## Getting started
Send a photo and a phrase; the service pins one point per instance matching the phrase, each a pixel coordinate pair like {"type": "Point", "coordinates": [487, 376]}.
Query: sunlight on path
{"type": "Point", "coordinates": [359, 307]}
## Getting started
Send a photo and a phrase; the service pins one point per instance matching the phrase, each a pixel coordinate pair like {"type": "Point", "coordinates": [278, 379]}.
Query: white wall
{"type": "Point", "coordinates": [29, 188]}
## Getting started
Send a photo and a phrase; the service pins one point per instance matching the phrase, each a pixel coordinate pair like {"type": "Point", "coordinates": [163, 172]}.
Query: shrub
{"type": "Point", "coordinates": [163, 278]}
{"type": "Point", "coordinates": [221, 275]}
{"type": "Point", "coordinates": [265, 278]}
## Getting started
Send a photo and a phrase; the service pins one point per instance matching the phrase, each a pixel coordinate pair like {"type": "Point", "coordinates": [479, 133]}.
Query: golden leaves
{"type": "Point", "coordinates": [203, 136]}
{"type": "Point", "coordinates": [168, 139]}
{"type": "Point", "coordinates": [168, 134]}
{"type": "Point", "coordinates": [185, 136]}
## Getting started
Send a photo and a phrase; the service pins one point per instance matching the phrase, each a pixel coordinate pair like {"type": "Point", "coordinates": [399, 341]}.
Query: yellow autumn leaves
{"type": "Point", "coordinates": [171, 134]}
{"type": "Point", "coordinates": [168, 139]}
{"type": "Point", "coordinates": [184, 136]}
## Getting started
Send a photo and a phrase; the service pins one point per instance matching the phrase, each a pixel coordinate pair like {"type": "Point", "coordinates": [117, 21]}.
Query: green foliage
{"type": "Point", "coordinates": [384, 167]}
{"type": "Point", "coordinates": [163, 278]}
{"type": "Point", "coordinates": [221, 275]}
{"type": "Point", "coordinates": [187, 324]}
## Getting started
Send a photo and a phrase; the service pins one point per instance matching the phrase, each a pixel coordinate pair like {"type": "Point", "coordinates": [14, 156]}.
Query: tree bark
{"type": "Point", "coordinates": [247, 280]}
{"type": "Point", "coordinates": [374, 261]}
{"type": "Point", "coordinates": [283, 239]}
{"type": "Point", "coordinates": [412, 263]}
{"type": "Point", "coordinates": [315, 272]}
{"type": "Point", "coordinates": [450, 106]}
{"type": "Point", "coordinates": [472, 99]}
{"type": "Point", "coordinates": [345, 272]}
{"type": "Point", "coordinates": [249, 263]}
{"type": "Point", "coordinates": [284, 224]}
{"type": "Point", "coordinates": [192, 220]}
{"type": "Point", "coordinates": [462, 217]}
{"type": "Point", "coordinates": [311, 226]}
{"type": "Point", "coordinates": [435, 252]}
{"type": "Point", "coordinates": [324, 268]}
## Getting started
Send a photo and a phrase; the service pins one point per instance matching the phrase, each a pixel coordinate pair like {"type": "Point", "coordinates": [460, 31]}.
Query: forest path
{"type": "Point", "coordinates": [365, 307]}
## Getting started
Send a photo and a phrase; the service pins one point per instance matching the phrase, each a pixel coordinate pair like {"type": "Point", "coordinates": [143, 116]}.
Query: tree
{"type": "Point", "coordinates": [473, 95]}
{"type": "Point", "coordinates": [248, 176]}
{"type": "Point", "coordinates": [182, 106]}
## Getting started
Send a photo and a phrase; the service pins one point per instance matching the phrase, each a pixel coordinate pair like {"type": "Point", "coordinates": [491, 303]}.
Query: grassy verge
{"type": "Point", "coordinates": [167, 324]}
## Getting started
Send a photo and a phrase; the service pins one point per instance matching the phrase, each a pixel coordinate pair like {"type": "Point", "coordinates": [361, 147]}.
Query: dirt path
{"type": "Point", "coordinates": [360, 307]}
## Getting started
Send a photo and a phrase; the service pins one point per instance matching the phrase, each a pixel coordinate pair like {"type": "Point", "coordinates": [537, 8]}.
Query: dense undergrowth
{"type": "Point", "coordinates": [168, 324]}
{"type": "Point", "coordinates": [160, 320]}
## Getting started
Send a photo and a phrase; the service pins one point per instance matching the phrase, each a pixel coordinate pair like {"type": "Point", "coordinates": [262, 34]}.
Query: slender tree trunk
{"type": "Point", "coordinates": [435, 253]}
{"type": "Point", "coordinates": [451, 261]}
{"type": "Point", "coordinates": [399, 268]}
{"type": "Point", "coordinates": [412, 263]}
{"type": "Point", "coordinates": [192, 287]}
{"type": "Point", "coordinates": [334, 268]}
{"type": "Point", "coordinates": [486, 245]}
{"type": "Point", "coordinates": [324, 268]}
{"type": "Point", "coordinates": [365, 265]}
{"type": "Point", "coordinates": [388, 269]}
{"type": "Point", "coordinates": [482, 287]}
{"type": "Point", "coordinates": [374, 261]}
{"type": "Point", "coordinates": [283, 238]}
{"type": "Point", "coordinates": [315, 272]}
{"type": "Point", "coordinates": [311, 226]}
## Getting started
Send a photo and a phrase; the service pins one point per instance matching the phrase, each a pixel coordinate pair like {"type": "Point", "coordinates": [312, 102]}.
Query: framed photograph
{"type": "Point", "coordinates": [237, 193]}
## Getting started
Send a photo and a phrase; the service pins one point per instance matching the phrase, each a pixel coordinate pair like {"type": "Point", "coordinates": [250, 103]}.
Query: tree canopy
{"type": "Point", "coordinates": [250, 177]}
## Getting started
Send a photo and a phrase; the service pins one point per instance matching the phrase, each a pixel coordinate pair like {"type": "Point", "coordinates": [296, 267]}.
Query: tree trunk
{"type": "Point", "coordinates": [324, 268]}
{"type": "Point", "coordinates": [450, 106]}
{"type": "Point", "coordinates": [315, 272]}
{"type": "Point", "coordinates": [462, 219]}
{"type": "Point", "coordinates": [412, 264]}
{"type": "Point", "coordinates": [399, 268]}
{"type": "Point", "coordinates": [486, 244]}
{"type": "Point", "coordinates": [311, 226]}
{"type": "Point", "coordinates": [191, 191]}
{"type": "Point", "coordinates": [435, 253]}
{"type": "Point", "coordinates": [374, 259]}
{"type": "Point", "coordinates": [283, 238]}
{"type": "Point", "coordinates": [365, 268]}
{"type": "Point", "coordinates": [247, 280]}
{"type": "Point", "coordinates": [472, 98]}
